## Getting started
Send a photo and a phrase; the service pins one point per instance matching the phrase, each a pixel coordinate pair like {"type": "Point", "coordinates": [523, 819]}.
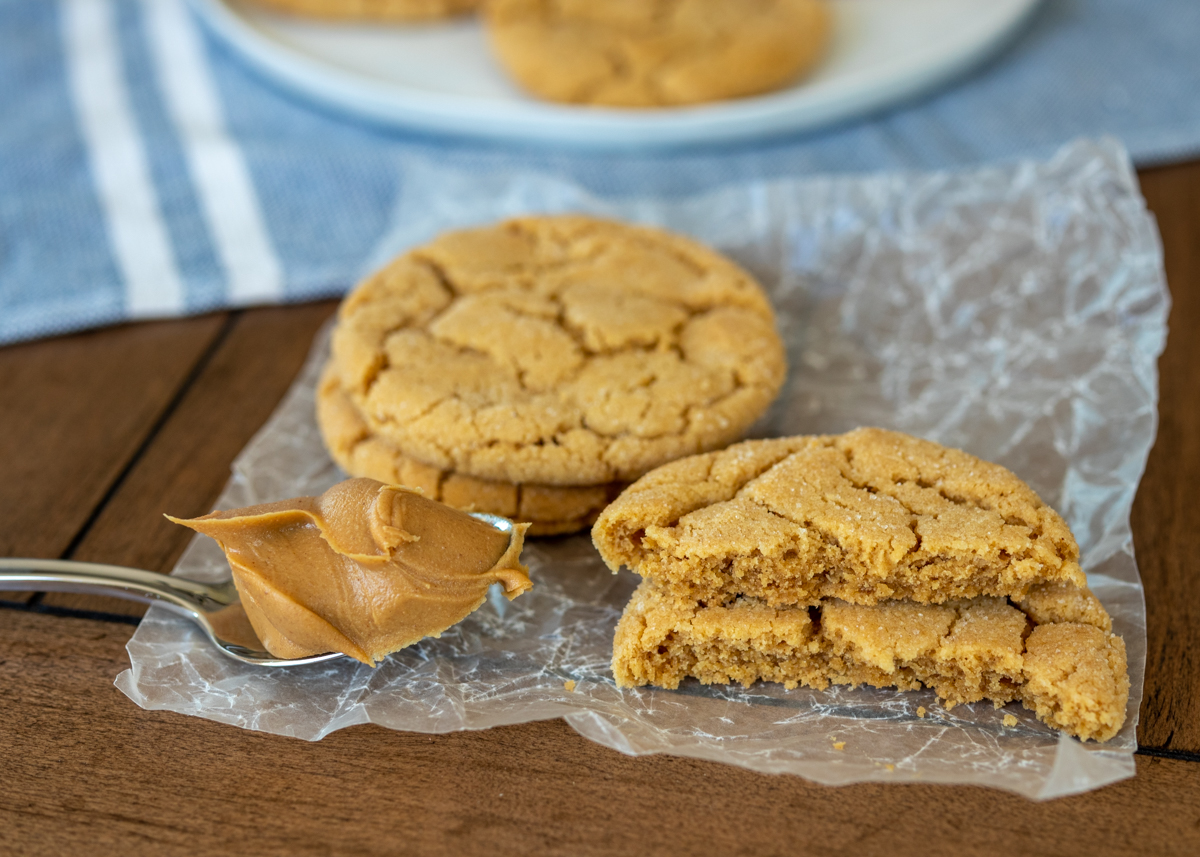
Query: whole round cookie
{"type": "Point", "coordinates": [647, 53]}
{"type": "Point", "coordinates": [549, 509]}
{"type": "Point", "coordinates": [374, 10]}
{"type": "Point", "coordinates": [558, 350]}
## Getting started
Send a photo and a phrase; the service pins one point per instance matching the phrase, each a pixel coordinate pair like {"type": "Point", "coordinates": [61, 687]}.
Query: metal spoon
{"type": "Point", "coordinates": [216, 608]}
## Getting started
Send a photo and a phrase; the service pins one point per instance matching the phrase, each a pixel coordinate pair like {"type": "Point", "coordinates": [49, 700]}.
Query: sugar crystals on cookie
{"type": "Point", "coordinates": [545, 359]}
{"type": "Point", "coordinates": [867, 516]}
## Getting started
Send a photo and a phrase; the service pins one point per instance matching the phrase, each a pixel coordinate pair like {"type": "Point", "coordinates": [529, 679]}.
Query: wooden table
{"type": "Point", "coordinates": [102, 432]}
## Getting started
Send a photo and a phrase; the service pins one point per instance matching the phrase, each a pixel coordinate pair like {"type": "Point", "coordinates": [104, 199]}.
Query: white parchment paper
{"type": "Point", "coordinates": [1016, 312]}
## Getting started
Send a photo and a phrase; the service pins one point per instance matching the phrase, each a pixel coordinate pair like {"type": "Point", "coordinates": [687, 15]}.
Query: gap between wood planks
{"type": "Point", "coordinates": [172, 406]}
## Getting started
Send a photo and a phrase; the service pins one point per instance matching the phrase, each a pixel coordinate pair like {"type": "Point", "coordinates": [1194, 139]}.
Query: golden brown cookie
{"type": "Point", "coordinates": [549, 509]}
{"type": "Point", "coordinates": [562, 350]}
{"type": "Point", "coordinates": [1073, 675]}
{"type": "Point", "coordinates": [867, 516]}
{"type": "Point", "coordinates": [374, 10]}
{"type": "Point", "coordinates": [648, 53]}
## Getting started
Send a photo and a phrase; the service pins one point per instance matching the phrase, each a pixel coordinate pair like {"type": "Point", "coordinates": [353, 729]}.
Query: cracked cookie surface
{"type": "Point", "coordinates": [868, 516]}
{"type": "Point", "coordinates": [374, 10]}
{"type": "Point", "coordinates": [548, 509]}
{"type": "Point", "coordinates": [646, 53]}
{"type": "Point", "coordinates": [1066, 666]}
{"type": "Point", "coordinates": [558, 350]}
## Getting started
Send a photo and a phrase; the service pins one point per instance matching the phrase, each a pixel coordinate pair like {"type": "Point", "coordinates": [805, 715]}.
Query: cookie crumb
{"type": "Point", "coordinates": [1009, 720]}
{"type": "Point", "coordinates": [839, 745]}
{"type": "Point", "coordinates": [569, 685]}
{"type": "Point", "coordinates": [920, 711]}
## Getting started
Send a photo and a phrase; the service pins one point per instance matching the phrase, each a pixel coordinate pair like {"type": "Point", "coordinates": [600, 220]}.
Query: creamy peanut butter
{"type": "Point", "coordinates": [364, 569]}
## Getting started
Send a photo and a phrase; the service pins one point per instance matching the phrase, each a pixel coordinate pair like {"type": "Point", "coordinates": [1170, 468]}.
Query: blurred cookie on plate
{"type": "Point", "coordinates": [374, 10]}
{"type": "Point", "coordinates": [656, 53]}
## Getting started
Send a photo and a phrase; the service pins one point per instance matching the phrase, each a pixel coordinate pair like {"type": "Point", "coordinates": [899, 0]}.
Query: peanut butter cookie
{"type": "Point", "coordinates": [549, 509]}
{"type": "Point", "coordinates": [374, 10]}
{"type": "Point", "coordinates": [1072, 674]}
{"type": "Point", "coordinates": [865, 517]}
{"type": "Point", "coordinates": [648, 53]}
{"type": "Point", "coordinates": [565, 351]}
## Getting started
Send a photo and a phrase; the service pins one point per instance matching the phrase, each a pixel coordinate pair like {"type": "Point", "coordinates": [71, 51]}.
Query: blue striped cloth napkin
{"type": "Point", "coordinates": [146, 172]}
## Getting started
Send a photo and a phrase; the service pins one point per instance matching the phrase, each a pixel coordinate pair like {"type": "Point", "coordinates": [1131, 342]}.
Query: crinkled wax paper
{"type": "Point", "coordinates": [1016, 312]}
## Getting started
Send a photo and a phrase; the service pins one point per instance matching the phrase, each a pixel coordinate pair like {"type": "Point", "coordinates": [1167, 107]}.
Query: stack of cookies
{"type": "Point", "coordinates": [866, 558]}
{"type": "Point", "coordinates": [533, 368]}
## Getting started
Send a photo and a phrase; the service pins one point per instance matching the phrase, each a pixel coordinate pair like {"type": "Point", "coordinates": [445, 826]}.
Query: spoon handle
{"type": "Point", "coordinates": [60, 575]}
{"type": "Point", "coordinates": [202, 603]}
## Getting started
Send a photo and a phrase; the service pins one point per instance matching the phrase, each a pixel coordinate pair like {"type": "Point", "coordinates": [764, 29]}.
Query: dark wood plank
{"type": "Point", "coordinates": [88, 772]}
{"type": "Point", "coordinates": [1166, 516]}
{"type": "Point", "coordinates": [74, 410]}
{"type": "Point", "coordinates": [184, 469]}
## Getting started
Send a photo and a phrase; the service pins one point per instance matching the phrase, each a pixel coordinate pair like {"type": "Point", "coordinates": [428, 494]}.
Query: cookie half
{"type": "Point", "coordinates": [561, 350]}
{"type": "Point", "coordinates": [649, 53]}
{"type": "Point", "coordinates": [549, 509]}
{"type": "Point", "coordinates": [374, 10]}
{"type": "Point", "coordinates": [867, 516]}
{"type": "Point", "coordinates": [1062, 662]}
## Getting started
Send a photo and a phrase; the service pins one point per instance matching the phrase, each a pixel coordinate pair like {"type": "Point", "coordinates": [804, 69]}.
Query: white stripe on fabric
{"type": "Point", "coordinates": [140, 243]}
{"type": "Point", "coordinates": [216, 164]}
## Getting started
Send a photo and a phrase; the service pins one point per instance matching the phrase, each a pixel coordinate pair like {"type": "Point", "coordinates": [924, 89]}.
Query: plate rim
{"type": "Point", "coordinates": [586, 128]}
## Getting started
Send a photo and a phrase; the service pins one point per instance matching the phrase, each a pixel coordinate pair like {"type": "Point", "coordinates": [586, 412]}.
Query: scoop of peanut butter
{"type": "Point", "coordinates": [364, 569]}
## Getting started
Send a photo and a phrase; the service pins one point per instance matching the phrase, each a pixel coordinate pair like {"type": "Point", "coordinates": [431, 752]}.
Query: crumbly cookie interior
{"type": "Point", "coordinates": [558, 350]}
{"type": "Point", "coordinates": [1068, 667]}
{"type": "Point", "coordinates": [864, 517]}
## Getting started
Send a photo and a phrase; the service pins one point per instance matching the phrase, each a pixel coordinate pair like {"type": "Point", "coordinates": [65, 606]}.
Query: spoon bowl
{"type": "Point", "coordinates": [216, 608]}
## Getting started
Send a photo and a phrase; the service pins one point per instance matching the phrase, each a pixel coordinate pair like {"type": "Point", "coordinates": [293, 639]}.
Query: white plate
{"type": "Point", "coordinates": [441, 77]}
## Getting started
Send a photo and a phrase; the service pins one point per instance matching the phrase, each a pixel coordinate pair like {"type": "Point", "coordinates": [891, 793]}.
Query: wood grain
{"type": "Point", "coordinates": [183, 471]}
{"type": "Point", "coordinates": [1166, 515]}
{"type": "Point", "coordinates": [87, 772]}
{"type": "Point", "coordinates": [74, 411]}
